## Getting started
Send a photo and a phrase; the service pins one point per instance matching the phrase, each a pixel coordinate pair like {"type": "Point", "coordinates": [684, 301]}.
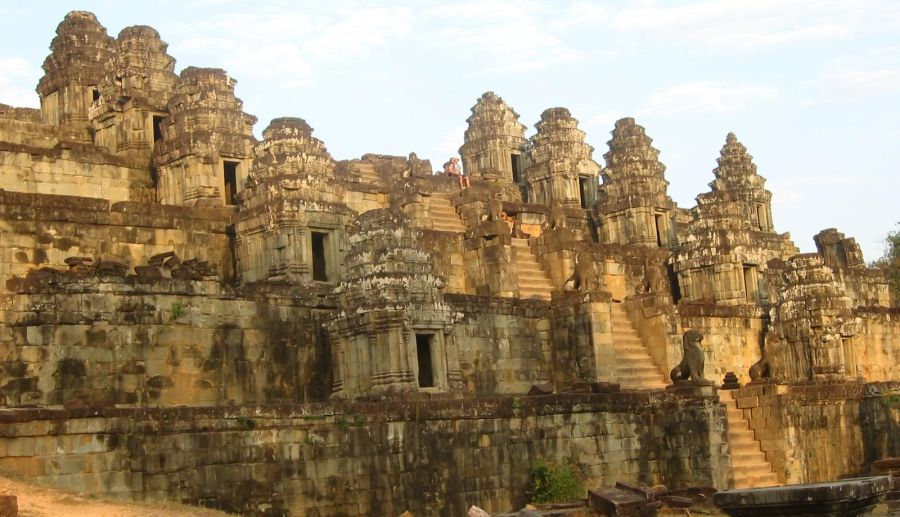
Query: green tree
{"type": "Point", "coordinates": [890, 262]}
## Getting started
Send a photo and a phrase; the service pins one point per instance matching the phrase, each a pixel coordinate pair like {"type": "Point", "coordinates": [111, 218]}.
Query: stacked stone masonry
{"type": "Point", "coordinates": [360, 335]}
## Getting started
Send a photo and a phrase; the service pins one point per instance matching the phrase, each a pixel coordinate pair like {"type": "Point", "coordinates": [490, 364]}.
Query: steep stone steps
{"type": "Point", "coordinates": [443, 215]}
{"type": "Point", "coordinates": [749, 465]}
{"type": "Point", "coordinates": [533, 281]}
{"type": "Point", "coordinates": [636, 369]}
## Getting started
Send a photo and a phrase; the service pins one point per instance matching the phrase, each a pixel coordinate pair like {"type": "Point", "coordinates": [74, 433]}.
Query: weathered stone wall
{"type": "Point", "coordinates": [504, 344]}
{"type": "Point", "coordinates": [877, 353]}
{"type": "Point", "coordinates": [42, 231]}
{"type": "Point", "coordinates": [47, 159]}
{"type": "Point", "coordinates": [432, 458]}
{"type": "Point", "coordinates": [105, 341]}
{"type": "Point", "coordinates": [819, 432]}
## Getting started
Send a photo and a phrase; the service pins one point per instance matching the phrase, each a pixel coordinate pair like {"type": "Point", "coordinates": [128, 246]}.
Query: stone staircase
{"type": "Point", "coordinates": [534, 282]}
{"type": "Point", "coordinates": [443, 215]}
{"type": "Point", "coordinates": [636, 369]}
{"type": "Point", "coordinates": [749, 464]}
{"type": "Point", "coordinates": [367, 172]}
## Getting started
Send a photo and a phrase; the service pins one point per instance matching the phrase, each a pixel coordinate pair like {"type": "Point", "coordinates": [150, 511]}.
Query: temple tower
{"type": "Point", "coordinates": [204, 154]}
{"type": "Point", "coordinates": [633, 206]}
{"type": "Point", "coordinates": [74, 70]}
{"type": "Point", "coordinates": [725, 254]}
{"type": "Point", "coordinates": [812, 325]}
{"type": "Point", "coordinates": [562, 170]}
{"type": "Point", "coordinates": [738, 192]}
{"type": "Point", "coordinates": [394, 331]}
{"type": "Point", "coordinates": [494, 144]}
{"type": "Point", "coordinates": [134, 93]}
{"type": "Point", "coordinates": [292, 215]}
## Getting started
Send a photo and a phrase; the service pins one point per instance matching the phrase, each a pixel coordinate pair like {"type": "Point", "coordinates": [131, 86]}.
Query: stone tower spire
{"type": "Point", "coordinates": [494, 145]}
{"type": "Point", "coordinates": [738, 195]}
{"type": "Point", "coordinates": [725, 254]}
{"type": "Point", "coordinates": [562, 170]}
{"type": "Point", "coordinates": [288, 147]}
{"type": "Point", "coordinates": [207, 141]}
{"type": "Point", "coordinates": [74, 69]}
{"type": "Point", "coordinates": [292, 214]}
{"type": "Point", "coordinates": [134, 93]}
{"type": "Point", "coordinates": [633, 205]}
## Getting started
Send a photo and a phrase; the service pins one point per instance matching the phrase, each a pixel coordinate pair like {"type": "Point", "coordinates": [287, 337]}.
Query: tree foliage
{"type": "Point", "coordinates": [890, 262]}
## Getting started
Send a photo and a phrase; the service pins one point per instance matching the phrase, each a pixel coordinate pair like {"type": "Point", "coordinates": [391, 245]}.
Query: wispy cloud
{"type": "Point", "coordinates": [699, 96]}
{"type": "Point", "coordinates": [501, 35]}
{"type": "Point", "coordinates": [873, 72]}
{"type": "Point", "coordinates": [746, 25]}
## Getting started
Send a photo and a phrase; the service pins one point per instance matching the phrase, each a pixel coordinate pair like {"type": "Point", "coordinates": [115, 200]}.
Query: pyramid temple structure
{"type": "Point", "coordinates": [190, 313]}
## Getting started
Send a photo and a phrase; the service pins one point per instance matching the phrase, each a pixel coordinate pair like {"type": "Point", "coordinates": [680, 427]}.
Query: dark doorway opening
{"type": "Point", "coordinates": [157, 127]}
{"type": "Point", "coordinates": [319, 262]}
{"type": "Point", "coordinates": [423, 354]}
{"type": "Point", "coordinates": [584, 185]}
{"type": "Point", "coordinates": [516, 167]}
{"type": "Point", "coordinates": [673, 283]}
{"type": "Point", "coordinates": [95, 94]}
{"type": "Point", "coordinates": [230, 171]}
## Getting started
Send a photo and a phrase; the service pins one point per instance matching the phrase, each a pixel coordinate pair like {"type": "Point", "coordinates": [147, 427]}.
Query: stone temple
{"type": "Point", "coordinates": [192, 314]}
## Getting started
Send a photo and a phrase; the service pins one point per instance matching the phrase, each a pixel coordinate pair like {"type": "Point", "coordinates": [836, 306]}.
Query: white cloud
{"type": "Point", "coordinates": [751, 24]}
{"type": "Point", "coordinates": [876, 71]}
{"type": "Point", "coordinates": [501, 35]}
{"type": "Point", "coordinates": [705, 96]}
{"type": "Point", "coordinates": [17, 81]}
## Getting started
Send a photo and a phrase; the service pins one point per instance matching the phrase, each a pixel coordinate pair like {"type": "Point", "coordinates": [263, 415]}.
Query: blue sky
{"type": "Point", "coordinates": [811, 87]}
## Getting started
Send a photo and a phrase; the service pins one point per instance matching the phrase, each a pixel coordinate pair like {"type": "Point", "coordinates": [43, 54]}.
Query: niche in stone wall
{"type": "Point", "coordinates": [425, 360]}
{"type": "Point", "coordinates": [661, 234]}
{"type": "Point", "coordinates": [751, 283]}
{"type": "Point", "coordinates": [584, 189]}
{"type": "Point", "coordinates": [229, 172]}
{"type": "Point", "coordinates": [157, 127]}
{"type": "Point", "coordinates": [322, 257]}
{"type": "Point", "coordinates": [516, 167]}
{"type": "Point", "coordinates": [430, 359]}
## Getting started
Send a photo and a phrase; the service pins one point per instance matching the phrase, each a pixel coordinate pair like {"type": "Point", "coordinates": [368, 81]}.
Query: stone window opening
{"type": "Point", "coordinates": [157, 127]}
{"type": "Point", "coordinates": [659, 224]}
{"type": "Point", "coordinates": [320, 243]}
{"type": "Point", "coordinates": [751, 283]}
{"type": "Point", "coordinates": [229, 170]}
{"type": "Point", "coordinates": [95, 93]}
{"type": "Point", "coordinates": [516, 161]}
{"type": "Point", "coordinates": [761, 219]}
{"type": "Point", "coordinates": [425, 359]}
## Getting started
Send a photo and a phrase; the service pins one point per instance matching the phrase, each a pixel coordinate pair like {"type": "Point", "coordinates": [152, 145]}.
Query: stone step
{"type": "Point", "coordinates": [749, 465]}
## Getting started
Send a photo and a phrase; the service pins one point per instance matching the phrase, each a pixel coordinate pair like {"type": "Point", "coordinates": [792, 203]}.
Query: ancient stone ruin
{"type": "Point", "coordinates": [193, 314]}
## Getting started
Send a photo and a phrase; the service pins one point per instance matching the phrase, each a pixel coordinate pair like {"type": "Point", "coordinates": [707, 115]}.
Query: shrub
{"type": "Point", "coordinates": [551, 483]}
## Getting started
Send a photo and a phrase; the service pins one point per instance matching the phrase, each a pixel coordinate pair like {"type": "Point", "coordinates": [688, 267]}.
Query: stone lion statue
{"type": "Point", "coordinates": [691, 366]}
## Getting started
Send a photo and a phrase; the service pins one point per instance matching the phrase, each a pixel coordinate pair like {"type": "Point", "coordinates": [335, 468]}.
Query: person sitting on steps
{"type": "Point", "coordinates": [452, 169]}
